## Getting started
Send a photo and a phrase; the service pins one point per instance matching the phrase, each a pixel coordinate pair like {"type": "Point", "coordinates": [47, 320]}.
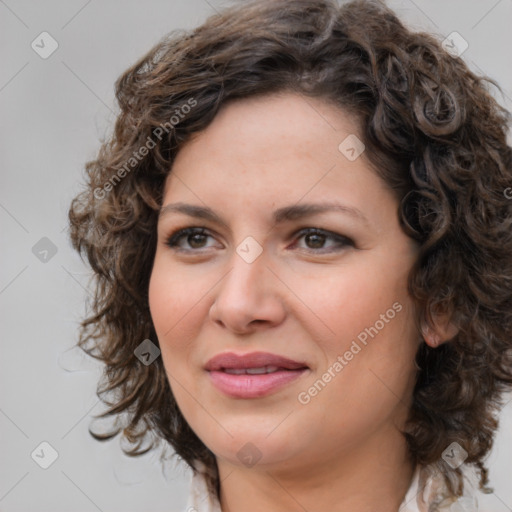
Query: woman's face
{"type": "Point", "coordinates": [294, 251]}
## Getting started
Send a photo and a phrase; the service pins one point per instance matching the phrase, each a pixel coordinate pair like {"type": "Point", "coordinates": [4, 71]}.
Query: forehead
{"type": "Point", "coordinates": [264, 132]}
{"type": "Point", "coordinates": [272, 151]}
{"type": "Point", "coordinates": [279, 119]}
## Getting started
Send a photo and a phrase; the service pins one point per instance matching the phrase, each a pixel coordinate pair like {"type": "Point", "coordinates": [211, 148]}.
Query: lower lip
{"type": "Point", "coordinates": [253, 386]}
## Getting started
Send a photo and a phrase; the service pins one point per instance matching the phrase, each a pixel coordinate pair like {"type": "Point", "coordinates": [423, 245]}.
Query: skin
{"type": "Point", "coordinates": [304, 298]}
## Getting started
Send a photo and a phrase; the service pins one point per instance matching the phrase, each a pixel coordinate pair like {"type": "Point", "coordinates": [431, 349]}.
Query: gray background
{"type": "Point", "coordinates": [53, 112]}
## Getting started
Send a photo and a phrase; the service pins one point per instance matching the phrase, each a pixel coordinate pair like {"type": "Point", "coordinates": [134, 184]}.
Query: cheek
{"type": "Point", "coordinates": [176, 309]}
{"type": "Point", "coordinates": [178, 314]}
{"type": "Point", "coordinates": [343, 302]}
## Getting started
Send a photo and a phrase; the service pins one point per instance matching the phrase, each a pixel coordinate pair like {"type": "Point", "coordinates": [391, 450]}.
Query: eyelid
{"type": "Point", "coordinates": [340, 239]}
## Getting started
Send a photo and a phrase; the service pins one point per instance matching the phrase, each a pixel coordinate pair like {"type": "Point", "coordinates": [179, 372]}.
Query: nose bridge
{"type": "Point", "coordinates": [247, 277]}
{"type": "Point", "coordinates": [247, 294]}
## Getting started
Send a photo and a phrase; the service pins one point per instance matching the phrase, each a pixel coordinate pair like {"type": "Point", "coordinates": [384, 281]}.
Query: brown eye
{"type": "Point", "coordinates": [190, 239]}
{"type": "Point", "coordinates": [321, 241]}
{"type": "Point", "coordinates": [197, 240]}
{"type": "Point", "coordinates": [314, 241]}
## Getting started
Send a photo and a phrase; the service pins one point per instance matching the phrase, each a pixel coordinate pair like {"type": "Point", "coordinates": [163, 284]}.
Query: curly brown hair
{"type": "Point", "coordinates": [432, 131]}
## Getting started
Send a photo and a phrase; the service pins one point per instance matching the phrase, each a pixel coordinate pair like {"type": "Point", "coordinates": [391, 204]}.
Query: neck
{"type": "Point", "coordinates": [375, 477]}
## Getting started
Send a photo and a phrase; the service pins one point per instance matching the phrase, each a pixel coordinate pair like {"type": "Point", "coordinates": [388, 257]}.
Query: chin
{"type": "Point", "coordinates": [251, 445]}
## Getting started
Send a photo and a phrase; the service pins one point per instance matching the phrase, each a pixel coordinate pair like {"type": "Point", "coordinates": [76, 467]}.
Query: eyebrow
{"type": "Point", "coordinates": [287, 213]}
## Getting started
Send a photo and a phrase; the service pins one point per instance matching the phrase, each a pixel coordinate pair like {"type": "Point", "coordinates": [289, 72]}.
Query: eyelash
{"type": "Point", "coordinates": [342, 241]}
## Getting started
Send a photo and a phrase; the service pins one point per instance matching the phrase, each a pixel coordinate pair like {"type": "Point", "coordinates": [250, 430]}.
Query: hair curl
{"type": "Point", "coordinates": [432, 131]}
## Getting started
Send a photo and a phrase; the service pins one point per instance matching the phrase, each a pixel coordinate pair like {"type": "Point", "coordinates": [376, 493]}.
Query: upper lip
{"type": "Point", "coordinates": [229, 360]}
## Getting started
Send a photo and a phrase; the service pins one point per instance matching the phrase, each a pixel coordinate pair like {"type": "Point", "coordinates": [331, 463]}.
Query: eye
{"type": "Point", "coordinates": [194, 239]}
{"type": "Point", "coordinates": [190, 239]}
{"type": "Point", "coordinates": [320, 240]}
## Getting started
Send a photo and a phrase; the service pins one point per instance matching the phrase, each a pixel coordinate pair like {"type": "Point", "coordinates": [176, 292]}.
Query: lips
{"type": "Point", "coordinates": [252, 375]}
{"type": "Point", "coordinates": [233, 361]}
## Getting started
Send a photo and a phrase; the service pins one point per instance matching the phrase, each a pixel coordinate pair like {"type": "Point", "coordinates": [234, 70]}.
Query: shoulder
{"type": "Point", "coordinates": [199, 498]}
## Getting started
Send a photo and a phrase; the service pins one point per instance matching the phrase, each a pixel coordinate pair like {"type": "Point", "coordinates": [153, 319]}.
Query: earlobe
{"type": "Point", "coordinates": [431, 337]}
{"type": "Point", "coordinates": [439, 331]}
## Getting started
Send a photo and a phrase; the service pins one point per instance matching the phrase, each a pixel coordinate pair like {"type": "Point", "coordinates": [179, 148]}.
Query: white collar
{"type": "Point", "coordinates": [426, 492]}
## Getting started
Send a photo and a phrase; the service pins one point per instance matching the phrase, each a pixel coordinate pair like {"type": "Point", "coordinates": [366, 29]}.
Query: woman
{"type": "Point", "coordinates": [302, 245]}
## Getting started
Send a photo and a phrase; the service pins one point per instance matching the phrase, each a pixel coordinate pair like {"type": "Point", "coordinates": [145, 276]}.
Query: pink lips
{"type": "Point", "coordinates": [252, 375]}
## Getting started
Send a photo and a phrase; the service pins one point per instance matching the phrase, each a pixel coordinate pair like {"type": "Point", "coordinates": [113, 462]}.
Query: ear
{"type": "Point", "coordinates": [438, 330]}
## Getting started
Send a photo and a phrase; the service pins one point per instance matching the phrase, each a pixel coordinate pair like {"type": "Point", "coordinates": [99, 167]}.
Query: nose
{"type": "Point", "coordinates": [248, 298]}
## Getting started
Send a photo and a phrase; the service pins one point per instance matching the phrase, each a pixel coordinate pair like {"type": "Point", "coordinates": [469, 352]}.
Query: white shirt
{"type": "Point", "coordinates": [426, 492]}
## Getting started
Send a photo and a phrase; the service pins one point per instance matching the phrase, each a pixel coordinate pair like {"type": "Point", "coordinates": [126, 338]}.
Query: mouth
{"type": "Point", "coordinates": [252, 375]}
{"type": "Point", "coordinates": [254, 371]}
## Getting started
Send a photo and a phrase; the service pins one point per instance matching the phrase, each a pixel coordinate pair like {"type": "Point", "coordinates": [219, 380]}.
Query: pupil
{"type": "Point", "coordinates": [196, 240]}
{"type": "Point", "coordinates": [315, 241]}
